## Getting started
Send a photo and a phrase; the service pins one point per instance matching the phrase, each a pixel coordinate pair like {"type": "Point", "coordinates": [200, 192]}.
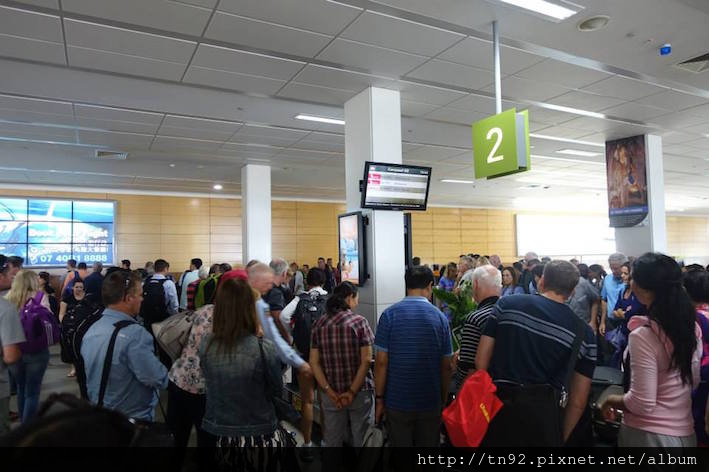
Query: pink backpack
{"type": "Point", "coordinates": [40, 326]}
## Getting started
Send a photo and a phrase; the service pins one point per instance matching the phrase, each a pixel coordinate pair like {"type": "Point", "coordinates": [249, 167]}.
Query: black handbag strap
{"type": "Point", "coordinates": [580, 329]}
{"type": "Point", "coordinates": [109, 358]}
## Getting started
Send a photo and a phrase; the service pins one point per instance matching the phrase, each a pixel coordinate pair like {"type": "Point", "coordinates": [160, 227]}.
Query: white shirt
{"type": "Point", "coordinates": [288, 311]}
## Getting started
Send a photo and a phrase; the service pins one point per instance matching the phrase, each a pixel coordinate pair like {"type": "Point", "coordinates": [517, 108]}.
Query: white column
{"type": "Point", "coordinates": [373, 133]}
{"type": "Point", "coordinates": [651, 236]}
{"type": "Point", "coordinates": [256, 213]}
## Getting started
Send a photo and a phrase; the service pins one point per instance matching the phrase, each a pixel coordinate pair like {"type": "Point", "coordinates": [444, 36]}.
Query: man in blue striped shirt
{"type": "Point", "coordinates": [413, 364]}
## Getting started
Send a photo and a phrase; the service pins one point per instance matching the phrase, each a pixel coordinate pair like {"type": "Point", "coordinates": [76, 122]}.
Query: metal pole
{"type": "Point", "coordinates": [496, 65]}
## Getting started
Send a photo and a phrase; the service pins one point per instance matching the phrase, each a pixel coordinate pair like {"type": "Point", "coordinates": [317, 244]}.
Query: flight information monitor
{"type": "Point", "coordinates": [48, 232]}
{"type": "Point", "coordinates": [395, 186]}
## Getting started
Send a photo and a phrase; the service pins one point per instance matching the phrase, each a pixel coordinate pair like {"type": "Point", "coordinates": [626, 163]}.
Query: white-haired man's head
{"type": "Point", "coordinates": [531, 256]}
{"type": "Point", "coordinates": [616, 261]}
{"type": "Point", "coordinates": [487, 282]}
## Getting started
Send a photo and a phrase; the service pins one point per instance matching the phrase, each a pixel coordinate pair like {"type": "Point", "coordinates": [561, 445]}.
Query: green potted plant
{"type": "Point", "coordinates": [460, 306]}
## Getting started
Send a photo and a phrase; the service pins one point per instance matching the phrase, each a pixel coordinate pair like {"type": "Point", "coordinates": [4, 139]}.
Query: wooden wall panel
{"type": "Point", "coordinates": [179, 228]}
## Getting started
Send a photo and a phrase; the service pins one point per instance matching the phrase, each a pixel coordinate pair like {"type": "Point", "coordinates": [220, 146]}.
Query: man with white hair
{"type": "Point", "coordinates": [276, 297]}
{"type": "Point", "coordinates": [466, 264]}
{"type": "Point", "coordinates": [611, 291]}
{"type": "Point", "coordinates": [487, 284]}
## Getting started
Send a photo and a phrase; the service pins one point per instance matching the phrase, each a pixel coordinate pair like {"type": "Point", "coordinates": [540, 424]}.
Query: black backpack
{"type": "Point", "coordinates": [73, 318]}
{"type": "Point", "coordinates": [309, 309]}
{"type": "Point", "coordinates": [85, 315]}
{"type": "Point", "coordinates": [154, 306]}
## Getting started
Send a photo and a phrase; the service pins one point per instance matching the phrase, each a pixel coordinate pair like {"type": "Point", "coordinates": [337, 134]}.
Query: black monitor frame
{"type": "Point", "coordinates": [394, 207]}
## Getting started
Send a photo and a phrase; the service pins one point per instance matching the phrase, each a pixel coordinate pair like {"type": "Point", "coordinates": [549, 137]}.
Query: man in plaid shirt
{"type": "Point", "coordinates": [340, 356]}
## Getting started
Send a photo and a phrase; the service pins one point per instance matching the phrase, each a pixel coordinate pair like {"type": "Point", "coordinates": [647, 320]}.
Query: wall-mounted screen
{"type": "Point", "coordinates": [395, 186]}
{"type": "Point", "coordinates": [50, 232]}
{"type": "Point", "coordinates": [352, 249]}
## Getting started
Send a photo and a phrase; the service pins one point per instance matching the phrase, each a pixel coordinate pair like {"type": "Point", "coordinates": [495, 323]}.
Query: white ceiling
{"type": "Point", "coordinates": [209, 85]}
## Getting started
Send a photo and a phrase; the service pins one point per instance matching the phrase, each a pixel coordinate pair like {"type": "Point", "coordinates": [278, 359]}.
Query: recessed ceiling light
{"type": "Point", "coordinates": [200, 166]}
{"type": "Point", "coordinates": [594, 23]}
{"type": "Point", "coordinates": [543, 7]}
{"type": "Point", "coordinates": [577, 152]}
{"type": "Point", "coordinates": [575, 111]}
{"type": "Point", "coordinates": [566, 140]}
{"type": "Point", "coordinates": [218, 187]}
{"type": "Point", "coordinates": [172, 165]}
{"type": "Point", "coordinates": [456, 181]}
{"type": "Point", "coordinates": [320, 119]}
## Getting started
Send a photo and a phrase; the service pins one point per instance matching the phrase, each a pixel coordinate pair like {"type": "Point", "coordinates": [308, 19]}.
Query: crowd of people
{"type": "Point", "coordinates": [537, 323]}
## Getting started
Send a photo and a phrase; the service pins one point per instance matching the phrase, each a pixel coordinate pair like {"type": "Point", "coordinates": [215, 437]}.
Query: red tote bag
{"type": "Point", "coordinates": [469, 416]}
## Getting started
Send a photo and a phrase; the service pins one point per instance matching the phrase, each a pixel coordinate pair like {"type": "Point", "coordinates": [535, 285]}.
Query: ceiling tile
{"type": "Point", "coordinates": [681, 120]}
{"type": "Point", "coordinates": [230, 60]}
{"type": "Point", "coordinates": [122, 126]}
{"type": "Point", "coordinates": [113, 62]}
{"type": "Point", "coordinates": [201, 123]}
{"type": "Point", "coordinates": [119, 114]}
{"type": "Point", "coordinates": [118, 140]}
{"type": "Point", "coordinates": [701, 111]}
{"type": "Point", "coordinates": [433, 153]}
{"type": "Point", "coordinates": [272, 132]}
{"type": "Point", "coordinates": [129, 42]}
{"type": "Point", "coordinates": [478, 53]}
{"type": "Point", "coordinates": [311, 93]}
{"type": "Point", "coordinates": [427, 94]}
{"type": "Point", "coordinates": [552, 117]}
{"type": "Point", "coordinates": [318, 137]}
{"type": "Point", "coordinates": [623, 88]}
{"type": "Point", "coordinates": [450, 73]}
{"type": "Point", "coordinates": [194, 133]}
{"type": "Point", "coordinates": [32, 49]}
{"type": "Point", "coordinates": [465, 158]}
{"type": "Point", "coordinates": [263, 140]}
{"type": "Point", "coordinates": [482, 104]}
{"type": "Point", "coordinates": [314, 146]}
{"type": "Point", "coordinates": [34, 117]}
{"type": "Point", "coordinates": [410, 108]}
{"type": "Point", "coordinates": [516, 88]}
{"type": "Point", "coordinates": [262, 35]}
{"type": "Point", "coordinates": [563, 132]}
{"type": "Point", "coordinates": [166, 143]}
{"type": "Point", "coordinates": [562, 73]}
{"type": "Point", "coordinates": [47, 132]}
{"type": "Point", "coordinates": [42, 3]}
{"type": "Point", "coordinates": [402, 35]}
{"type": "Point", "coordinates": [671, 100]}
{"type": "Point", "coordinates": [455, 115]}
{"type": "Point", "coordinates": [702, 128]}
{"type": "Point", "coordinates": [635, 111]}
{"type": "Point", "coordinates": [230, 80]}
{"type": "Point", "coordinates": [161, 14]}
{"type": "Point", "coordinates": [27, 24]}
{"type": "Point", "coordinates": [246, 150]}
{"type": "Point", "coordinates": [340, 79]}
{"type": "Point", "coordinates": [314, 15]}
{"type": "Point", "coordinates": [371, 58]}
{"type": "Point", "coordinates": [36, 105]}
{"type": "Point", "coordinates": [585, 101]}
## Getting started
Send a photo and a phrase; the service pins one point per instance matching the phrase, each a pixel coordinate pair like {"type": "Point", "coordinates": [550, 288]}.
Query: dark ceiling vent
{"type": "Point", "coordinates": [114, 155]}
{"type": "Point", "coordinates": [696, 65]}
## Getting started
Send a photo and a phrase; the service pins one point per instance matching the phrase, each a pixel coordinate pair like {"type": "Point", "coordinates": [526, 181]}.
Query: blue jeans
{"type": "Point", "coordinates": [29, 372]}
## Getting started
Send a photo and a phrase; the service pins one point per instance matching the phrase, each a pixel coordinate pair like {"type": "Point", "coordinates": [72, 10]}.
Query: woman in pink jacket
{"type": "Point", "coordinates": [663, 358]}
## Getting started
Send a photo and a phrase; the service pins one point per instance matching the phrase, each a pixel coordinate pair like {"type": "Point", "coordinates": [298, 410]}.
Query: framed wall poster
{"type": "Point", "coordinates": [626, 169]}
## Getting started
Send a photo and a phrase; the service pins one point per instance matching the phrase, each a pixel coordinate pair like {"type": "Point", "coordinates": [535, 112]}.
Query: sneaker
{"type": "Point", "coordinates": [306, 453]}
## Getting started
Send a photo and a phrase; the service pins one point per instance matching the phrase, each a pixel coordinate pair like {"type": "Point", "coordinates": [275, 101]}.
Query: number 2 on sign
{"type": "Point", "coordinates": [492, 157]}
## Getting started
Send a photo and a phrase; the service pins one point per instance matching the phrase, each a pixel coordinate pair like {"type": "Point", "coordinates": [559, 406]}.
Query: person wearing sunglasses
{"type": "Point", "coordinates": [136, 375]}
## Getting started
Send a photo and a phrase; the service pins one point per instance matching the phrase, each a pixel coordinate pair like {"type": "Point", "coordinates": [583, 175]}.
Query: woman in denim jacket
{"type": "Point", "coordinates": [242, 375]}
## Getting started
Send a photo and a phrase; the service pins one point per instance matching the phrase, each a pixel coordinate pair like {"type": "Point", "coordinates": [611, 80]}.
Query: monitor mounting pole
{"type": "Point", "coordinates": [496, 66]}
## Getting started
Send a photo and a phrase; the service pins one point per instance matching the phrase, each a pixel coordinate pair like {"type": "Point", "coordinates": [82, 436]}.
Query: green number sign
{"type": "Point", "coordinates": [501, 144]}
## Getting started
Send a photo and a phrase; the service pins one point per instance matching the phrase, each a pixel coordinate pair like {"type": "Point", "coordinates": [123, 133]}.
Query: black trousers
{"type": "Point", "coordinates": [185, 410]}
